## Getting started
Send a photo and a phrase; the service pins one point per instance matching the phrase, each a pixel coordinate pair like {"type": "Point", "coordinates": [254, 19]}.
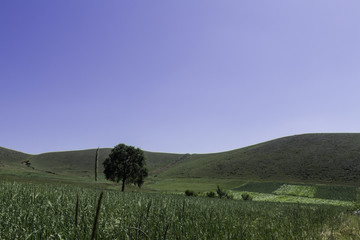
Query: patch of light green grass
{"type": "Point", "coordinates": [263, 197]}
{"type": "Point", "coordinates": [261, 187]}
{"type": "Point", "coordinates": [296, 190]}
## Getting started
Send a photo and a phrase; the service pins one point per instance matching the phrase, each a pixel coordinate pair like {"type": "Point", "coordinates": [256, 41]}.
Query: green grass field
{"type": "Point", "coordinates": [301, 188]}
{"type": "Point", "coordinates": [261, 187]}
{"type": "Point", "coordinates": [301, 193]}
{"type": "Point", "coordinates": [195, 184]}
{"type": "Point", "coordinates": [42, 211]}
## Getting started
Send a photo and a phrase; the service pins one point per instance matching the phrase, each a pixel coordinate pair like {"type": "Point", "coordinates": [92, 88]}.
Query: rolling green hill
{"type": "Point", "coordinates": [82, 162]}
{"type": "Point", "coordinates": [313, 158]}
{"type": "Point", "coordinates": [74, 163]}
{"type": "Point", "coordinates": [10, 158]}
{"type": "Point", "coordinates": [328, 158]}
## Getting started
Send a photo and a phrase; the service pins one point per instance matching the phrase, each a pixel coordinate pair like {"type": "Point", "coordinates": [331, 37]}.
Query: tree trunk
{"type": "Point", "coordinates": [123, 185]}
{"type": "Point", "coordinates": [96, 164]}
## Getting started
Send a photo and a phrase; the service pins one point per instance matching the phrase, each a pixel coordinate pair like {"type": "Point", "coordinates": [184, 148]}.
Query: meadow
{"type": "Point", "coordinates": [299, 193]}
{"type": "Point", "coordinates": [47, 211]}
{"type": "Point", "coordinates": [302, 187]}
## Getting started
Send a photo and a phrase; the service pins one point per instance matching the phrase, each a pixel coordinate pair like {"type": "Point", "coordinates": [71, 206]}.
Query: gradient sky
{"type": "Point", "coordinates": [176, 76]}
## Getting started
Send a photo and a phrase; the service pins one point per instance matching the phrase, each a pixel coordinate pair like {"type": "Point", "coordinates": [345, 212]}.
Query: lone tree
{"type": "Point", "coordinates": [126, 164]}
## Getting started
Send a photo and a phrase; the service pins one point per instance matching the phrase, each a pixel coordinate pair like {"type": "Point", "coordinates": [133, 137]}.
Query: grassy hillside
{"type": "Point", "coordinates": [316, 158]}
{"type": "Point", "coordinates": [10, 157]}
{"type": "Point", "coordinates": [82, 162]}
{"type": "Point", "coordinates": [76, 163]}
{"type": "Point", "coordinates": [333, 158]}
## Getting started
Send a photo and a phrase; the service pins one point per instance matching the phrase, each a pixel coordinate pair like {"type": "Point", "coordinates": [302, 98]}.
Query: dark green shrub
{"type": "Point", "coordinates": [221, 193]}
{"type": "Point", "coordinates": [210, 194]}
{"type": "Point", "coordinates": [246, 197]}
{"type": "Point", "coordinates": [190, 193]}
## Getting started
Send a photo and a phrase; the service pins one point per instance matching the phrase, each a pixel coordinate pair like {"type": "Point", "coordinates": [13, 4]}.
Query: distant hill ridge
{"type": "Point", "coordinates": [328, 158]}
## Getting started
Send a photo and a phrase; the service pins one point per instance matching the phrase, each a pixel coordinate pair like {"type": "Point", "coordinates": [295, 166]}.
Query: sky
{"type": "Point", "coordinates": [184, 76]}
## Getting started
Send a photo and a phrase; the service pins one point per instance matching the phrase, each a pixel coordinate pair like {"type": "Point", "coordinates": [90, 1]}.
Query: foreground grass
{"type": "Point", "coordinates": [39, 211]}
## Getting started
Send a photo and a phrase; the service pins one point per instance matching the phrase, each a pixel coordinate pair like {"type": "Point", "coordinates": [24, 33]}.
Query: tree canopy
{"type": "Point", "coordinates": [126, 164]}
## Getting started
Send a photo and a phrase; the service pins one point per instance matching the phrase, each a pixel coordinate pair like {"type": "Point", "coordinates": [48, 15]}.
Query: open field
{"type": "Point", "coordinates": [179, 120]}
{"type": "Point", "coordinates": [195, 184]}
{"type": "Point", "coordinates": [260, 191]}
{"type": "Point", "coordinates": [301, 193]}
{"type": "Point", "coordinates": [41, 211]}
{"type": "Point", "coordinates": [301, 188]}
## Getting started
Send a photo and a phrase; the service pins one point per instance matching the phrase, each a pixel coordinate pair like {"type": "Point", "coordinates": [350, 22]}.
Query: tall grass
{"type": "Point", "coordinates": [47, 212]}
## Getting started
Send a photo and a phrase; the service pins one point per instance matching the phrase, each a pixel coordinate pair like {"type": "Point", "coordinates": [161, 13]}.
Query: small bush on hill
{"type": "Point", "coordinates": [210, 194]}
{"type": "Point", "coordinates": [190, 193]}
{"type": "Point", "coordinates": [221, 193]}
{"type": "Point", "coordinates": [246, 197]}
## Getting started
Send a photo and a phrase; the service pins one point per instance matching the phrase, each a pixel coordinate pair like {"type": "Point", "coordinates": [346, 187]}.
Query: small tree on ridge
{"type": "Point", "coordinates": [126, 164]}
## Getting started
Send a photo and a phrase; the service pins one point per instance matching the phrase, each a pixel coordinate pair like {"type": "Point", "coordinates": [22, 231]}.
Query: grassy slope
{"type": "Point", "coordinates": [81, 163]}
{"type": "Point", "coordinates": [70, 167]}
{"type": "Point", "coordinates": [11, 157]}
{"type": "Point", "coordinates": [327, 158]}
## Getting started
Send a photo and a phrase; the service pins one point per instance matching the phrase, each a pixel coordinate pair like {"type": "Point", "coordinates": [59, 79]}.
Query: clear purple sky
{"type": "Point", "coordinates": [176, 76]}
